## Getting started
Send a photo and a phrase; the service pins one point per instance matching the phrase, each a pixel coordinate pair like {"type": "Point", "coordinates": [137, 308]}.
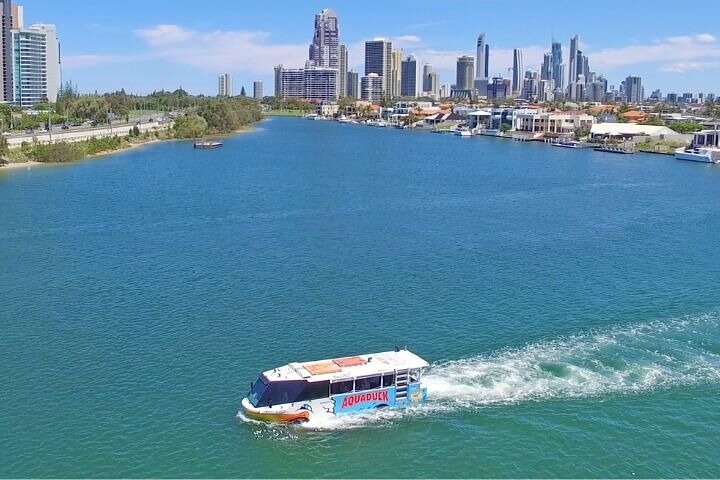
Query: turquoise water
{"type": "Point", "coordinates": [568, 301]}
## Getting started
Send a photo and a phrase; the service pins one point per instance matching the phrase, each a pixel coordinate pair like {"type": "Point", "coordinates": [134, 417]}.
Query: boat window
{"type": "Point", "coordinates": [315, 390]}
{"type": "Point", "coordinates": [367, 383]}
{"type": "Point", "coordinates": [257, 391]}
{"type": "Point", "coordinates": [388, 379]}
{"type": "Point", "coordinates": [414, 375]}
{"type": "Point", "coordinates": [279, 392]}
{"type": "Point", "coordinates": [343, 386]}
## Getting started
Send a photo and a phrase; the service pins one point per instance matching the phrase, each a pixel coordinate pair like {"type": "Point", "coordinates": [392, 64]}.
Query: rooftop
{"type": "Point", "coordinates": [347, 367]}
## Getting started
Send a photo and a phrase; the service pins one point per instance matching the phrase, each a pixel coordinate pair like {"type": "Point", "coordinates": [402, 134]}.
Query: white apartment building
{"type": "Point", "coordinates": [36, 65]}
{"type": "Point", "coordinates": [371, 87]}
{"type": "Point", "coordinates": [225, 88]}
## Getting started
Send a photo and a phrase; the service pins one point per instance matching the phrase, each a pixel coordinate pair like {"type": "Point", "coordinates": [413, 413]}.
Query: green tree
{"type": "Point", "coordinates": [242, 91]}
{"type": "Point", "coordinates": [5, 116]}
{"type": "Point", "coordinates": [190, 126]}
{"type": "Point", "coordinates": [89, 107]}
{"type": "Point", "coordinates": [686, 127]}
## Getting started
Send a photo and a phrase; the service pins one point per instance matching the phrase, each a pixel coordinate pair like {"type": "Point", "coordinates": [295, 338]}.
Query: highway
{"type": "Point", "coordinates": [76, 134]}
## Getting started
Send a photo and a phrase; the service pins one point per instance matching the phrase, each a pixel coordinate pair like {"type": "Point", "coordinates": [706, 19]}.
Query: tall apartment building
{"type": "Point", "coordinates": [343, 71]}
{"type": "Point", "coordinates": [325, 47]}
{"type": "Point", "coordinates": [289, 82]}
{"type": "Point", "coordinates": [352, 86]}
{"type": "Point", "coordinates": [258, 90]}
{"type": "Point", "coordinates": [517, 72]}
{"type": "Point", "coordinates": [482, 50]}
{"type": "Point", "coordinates": [371, 87]}
{"type": "Point", "coordinates": [498, 89]}
{"type": "Point", "coordinates": [10, 20]}
{"type": "Point", "coordinates": [464, 73]}
{"type": "Point", "coordinates": [36, 65]}
{"type": "Point", "coordinates": [558, 68]}
{"type": "Point", "coordinates": [225, 88]}
{"type": "Point", "coordinates": [434, 84]}
{"type": "Point", "coordinates": [378, 60]}
{"type": "Point", "coordinates": [408, 87]}
{"type": "Point", "coordinates": [427, 70]}
{"type": "Point", "coordinates": [396, 61]}
{"type": "Point", "coordinates": [320, 79]}
{"type": "Point", "coordinates": [633, 89]}
{"type": "Point", "coordinates": [573, 71]}
{"type": "Point", "coordinates": [311, 83]}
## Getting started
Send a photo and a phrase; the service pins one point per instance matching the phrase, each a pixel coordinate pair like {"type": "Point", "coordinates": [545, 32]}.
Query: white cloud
{"type": "Point", "coordinates": [682, 67]}
{"type": "Point", "coordinates": [705, 38]}
{"type": "Point", "coordinates": [164, 35]}
{"type": "Point", "coordinates": [408, 39]}
{"type": "Point", "coordinates": [220, 50]}
{"type": "Point", "coordinates": [679, 49]}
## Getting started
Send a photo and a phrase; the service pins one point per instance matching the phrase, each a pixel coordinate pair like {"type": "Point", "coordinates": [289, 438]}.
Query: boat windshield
{"type": "Point", "coordinates": [257, 391]}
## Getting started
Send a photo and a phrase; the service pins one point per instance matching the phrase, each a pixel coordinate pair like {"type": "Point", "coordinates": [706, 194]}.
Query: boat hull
{"type": "Point", "coordinates": [354, 402]}
{"type": "Point", "coordinates": [694, 157]}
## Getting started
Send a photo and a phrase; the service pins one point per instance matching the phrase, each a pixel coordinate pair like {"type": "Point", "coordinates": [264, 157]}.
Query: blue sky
{"type": "Point", "coordinates": [146, 45]}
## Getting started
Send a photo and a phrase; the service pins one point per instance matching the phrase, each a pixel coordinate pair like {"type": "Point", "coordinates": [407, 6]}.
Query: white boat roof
{"type": "Point", "coordinates": [347, 367]}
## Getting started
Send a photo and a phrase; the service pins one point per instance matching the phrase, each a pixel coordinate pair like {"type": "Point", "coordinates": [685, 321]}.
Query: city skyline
{"type": "Point", "coordinates": [127, 49]}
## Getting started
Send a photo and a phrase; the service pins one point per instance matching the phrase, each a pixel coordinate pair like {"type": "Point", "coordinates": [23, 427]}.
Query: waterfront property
{"type": "Point", "coordinates": [557, 123]}
{"type": "Point", "coordinates": [705, 147]}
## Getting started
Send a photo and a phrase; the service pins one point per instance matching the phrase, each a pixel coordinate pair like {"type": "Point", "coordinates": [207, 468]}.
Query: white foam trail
{"type": "Point", "coordinates": [621, 360]}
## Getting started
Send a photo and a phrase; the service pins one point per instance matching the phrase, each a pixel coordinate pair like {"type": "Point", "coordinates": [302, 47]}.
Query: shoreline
{"type": "Point", "coordinates": [32, 163]}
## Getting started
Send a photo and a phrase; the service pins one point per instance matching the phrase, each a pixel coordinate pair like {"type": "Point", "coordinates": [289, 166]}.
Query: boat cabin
{"type": "Point", "coordinates": [303, 382]}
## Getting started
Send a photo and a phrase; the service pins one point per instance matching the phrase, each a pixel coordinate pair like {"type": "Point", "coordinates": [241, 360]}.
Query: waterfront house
{"type": "Point", "coordinates": [552, 123]}
{"type": "Point", "coordinates": [628, 131]}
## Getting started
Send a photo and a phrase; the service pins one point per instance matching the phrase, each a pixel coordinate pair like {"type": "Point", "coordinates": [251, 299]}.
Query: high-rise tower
{"type": "Point", "coordinates": [481, 67]}
{"type": "Point", "coordinates": [378, 60]}
{"type": "Point", "coordinates": [518, 72]}
{"type": "Point", "coordinates": [573, 70]}
{"type": "Point", "coordinates": [7, 52]}
{"type": "Point", "coordinates": [558, 76]}
{"type": "Point", "coordinates": [408, 87]}
{"type": "Point", "coordinates": [324, 50]}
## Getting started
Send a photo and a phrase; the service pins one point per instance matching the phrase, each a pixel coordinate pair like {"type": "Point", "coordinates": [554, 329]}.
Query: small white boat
{"type": "Point", "coordinates": [463, 132]}
{"type": "Point", "coordinates": [567, 144]}
{"type": "Point", "coordinates": [705, 148]}
{"type": "Point", "coordinates": [207, 144]}
{"type": "Point", "coordinates": [703, 154]}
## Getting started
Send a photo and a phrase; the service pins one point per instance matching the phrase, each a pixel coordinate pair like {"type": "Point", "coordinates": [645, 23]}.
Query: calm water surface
{"type": "Point", "coordinates": [568, 301]}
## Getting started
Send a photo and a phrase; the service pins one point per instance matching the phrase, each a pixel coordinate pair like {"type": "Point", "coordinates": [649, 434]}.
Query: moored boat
{"type": "Point", "coordinates": [705, 148]}
{"type": "Point", "coordinates": [205, 144]}
{"type": "Point", "coordinates": [298, 392]}
{"type": "Point", "coordinates": [567, 144]}
{"type": "Point", "coordinates": [614, 149]}
{"type": "Point", "coordinates": [463, 132]}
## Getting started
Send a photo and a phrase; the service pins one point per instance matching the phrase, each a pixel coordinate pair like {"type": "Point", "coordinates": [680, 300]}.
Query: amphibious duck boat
{"type": "Point", "coordinates": [298, 392]}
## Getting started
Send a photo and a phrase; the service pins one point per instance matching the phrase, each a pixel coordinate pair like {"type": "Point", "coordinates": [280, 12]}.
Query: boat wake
{"type": "Point", "coordinates": [616, 361]}
{"type": "Point", "coordinates": [621, 360]}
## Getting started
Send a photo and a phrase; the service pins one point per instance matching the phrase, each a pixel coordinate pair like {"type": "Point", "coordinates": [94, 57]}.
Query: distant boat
{"type": "Point", "coordinates": [463, 132]}
{"type": "Point", "coordinates": [614, 149]}
{"type": "Point", "coordinates": [206, 144]}
{"type": "Point", "coordinates": [567, 144]}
